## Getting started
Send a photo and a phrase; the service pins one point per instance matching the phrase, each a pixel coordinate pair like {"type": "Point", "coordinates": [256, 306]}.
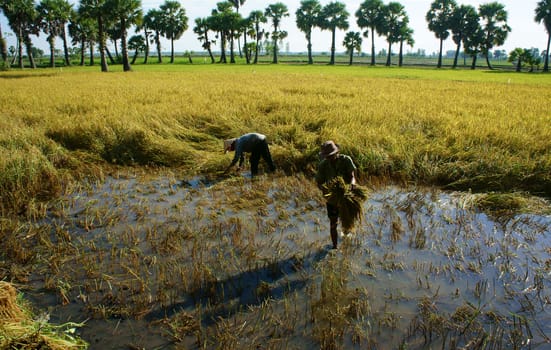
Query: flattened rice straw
{"type": "Point", "coordinates": [349, 202]}
{"type": "Point", "coordinates": [19, 331]}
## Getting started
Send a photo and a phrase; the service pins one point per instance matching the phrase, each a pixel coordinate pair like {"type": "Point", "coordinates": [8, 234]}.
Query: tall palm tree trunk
{"type": "Point", "coordinates": [333, 32]}
{"type": "Point", "coordinates": [65, 46]}
{"type": "Point", "coordinates": [171, 50]}
{"type": "Point", "coordinates": [546, 64]}
{"type": "Point", "coordinates": [439, 65]}
{"type": "Point", "coordinates": [29, 48]}
{"type": "Point", "coordinates": [310, 58]}
{"type": "Point", "coordinates": [146, 46]}
{"type": "Point", "coordinates": [372, 46]}
{"type": "Point", "coordinates": [388, 59]}
{"type": "Point", "coordinates": [102, 48]}
{"type": "Point", "coordinates": [51, 42]}
{"type": "Point", "coordinates": [456, 54]}
{"type": "Point", "coordinates": [124, 47]}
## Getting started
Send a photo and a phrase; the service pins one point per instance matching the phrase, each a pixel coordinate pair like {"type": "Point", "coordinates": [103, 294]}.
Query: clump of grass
{"type": "Point", "coordinates": [18, 329]}
{"type": "Point", "coordinates": [501, 202]}
{"type": "Point", "coordinates": [349, 201]}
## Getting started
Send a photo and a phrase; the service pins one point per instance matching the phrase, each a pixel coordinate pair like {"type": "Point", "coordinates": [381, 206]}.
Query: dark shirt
{"type": "Point", "coordinates": [328, 169]}
{"type": "Point", "coordinates": [246, 143]}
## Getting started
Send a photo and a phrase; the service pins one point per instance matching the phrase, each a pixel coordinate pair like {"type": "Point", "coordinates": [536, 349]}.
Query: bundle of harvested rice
{"type": "Point", "coordinates": [348, 201]}
{"type": "Point", "coordinates": [18, 330]}
{"type": "Point", "coordinates": [9, 310]}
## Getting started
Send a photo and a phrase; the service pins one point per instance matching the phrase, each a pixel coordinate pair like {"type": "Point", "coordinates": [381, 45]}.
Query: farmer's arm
{"type": "Point", "coordinates": [239, 156]}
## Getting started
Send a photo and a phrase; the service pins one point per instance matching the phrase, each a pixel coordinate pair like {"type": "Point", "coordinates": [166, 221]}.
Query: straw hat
{"type": "Point", "coordinates": [328, 148]}
{"type": "Point", "coordinates": [228, 143]}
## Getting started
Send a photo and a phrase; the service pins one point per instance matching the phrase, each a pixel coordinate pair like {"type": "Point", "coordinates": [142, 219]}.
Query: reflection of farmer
{"type": "Point", "coordinates": [252, 143]}
{"type": "Point", "coordinates": [334, 164]}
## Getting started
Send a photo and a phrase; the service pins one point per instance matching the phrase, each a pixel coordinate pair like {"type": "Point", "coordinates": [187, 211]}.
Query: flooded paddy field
{"type": "Point", "coordinates": [164, 262]}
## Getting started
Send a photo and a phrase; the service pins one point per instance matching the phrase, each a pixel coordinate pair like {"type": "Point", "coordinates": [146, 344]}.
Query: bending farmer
{"type": "Point", "coordinates": [334, 164]}
{"type": "Point", "coordinates": [252, 143]}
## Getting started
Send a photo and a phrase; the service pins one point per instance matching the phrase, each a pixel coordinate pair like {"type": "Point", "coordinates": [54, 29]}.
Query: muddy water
{"type": "Point", "coordinates": [166, 262]}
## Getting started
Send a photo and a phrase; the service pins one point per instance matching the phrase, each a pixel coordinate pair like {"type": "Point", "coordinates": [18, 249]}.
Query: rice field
{"type": "Point", "coordinates": [116, 215]}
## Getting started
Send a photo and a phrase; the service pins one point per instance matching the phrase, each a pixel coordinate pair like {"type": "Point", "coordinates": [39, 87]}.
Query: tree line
{"type": "Point", "coordinates": [93, 22]}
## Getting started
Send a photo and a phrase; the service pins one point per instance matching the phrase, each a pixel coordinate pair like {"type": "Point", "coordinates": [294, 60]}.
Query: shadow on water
{"type": "Point", "coordinates": [248, 288]}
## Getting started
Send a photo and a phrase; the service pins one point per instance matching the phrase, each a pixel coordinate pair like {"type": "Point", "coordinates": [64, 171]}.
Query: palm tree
{"type": "Point", "coordinates": [220, 21]}
{"type": "Point", "coordinates": [394, 15]}
{"type": "Point", "coordinates": [174, 21]}
{"type": "Point", "coordinates": [276, 12]}
{"type": "Point", "coordinates": [464, 22]}
{"type": "Point", "coordinates": [543, 14]}
{"type": "Point", "coordinates": [96, 9]}
{"type": "Point", "coordinates": [473, 44]}
{"type": "Point", "coordinates": [307, 18]}
{"type": "Point", "coordinates": [333, 16]}
{"type": "Point", "coordinates": [369, 16]}
{"type": "Point", "coordinates": [352, 41]}
{"type": "Point", "coordinates": [22, 17]}
{"type": "Point", "coordinates": [406, 35]}
{"type": "Point", "coordinates": [136, 43]}
{"type": "Point", "coordinates": [518, 55]}
{"type": "Point", "coordinates": [439, 19]}
{"type": "Point", "coordinates": [83, 31]}
{"type": "Point", "coordinates": [153, 20]}
{"type": "Point", "coordinates": [127, 13]}
{"type": "Point", "coordinates": [202, 30]}
{"type": "Point", "coordinates": [54, 15]}
{"type": "Point", "coordinates": [257, 18]}
{"type": "Point", "coordinates": [495, 27]}
{"type": "Point", "coordinates": [237, 4]}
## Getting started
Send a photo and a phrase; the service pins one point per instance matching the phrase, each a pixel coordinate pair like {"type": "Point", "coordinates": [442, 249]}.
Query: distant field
{"type": "Point", "coordinates": [479, 130]}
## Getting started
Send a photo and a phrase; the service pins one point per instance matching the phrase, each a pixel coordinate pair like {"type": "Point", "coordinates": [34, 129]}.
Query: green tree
{"type": "Point", "coordinates": [54, 15]}
{"type": "Point", "coordinates": [519, 57]}
{"type": "Point", "coordinates": [237, 5]}
{"type": "Point", "coordinates": [307, 17]}
{"type": "Point", "coordinates": [439, 19]}
{"type": "Point", "coordinates": [276, 12]}
{"type": "Point", "coordinates": [83, 31]}
{"type": "Point", "coordinates": [543, 14]}
{"type": "Point", "coordinates": [153, 21]}
{"type": "Point", "coordinates": [96, 9]}
{"type": "Point", "coordinates": [23, 19]}
{"type": "Point", "coordinates": [174, 23]}
{"type": "Point", "coordinates": [333, 16]}
{"type": "Point", "coordinates": [220, 21]}
{"type": "Point", "coordinates": [473, 44]}
{"type": "Point", "coordinates": [464, 22]}
{"type": "Point", "coordinates": [495, 28]}
{"type": "Point", "coordinates": [136, 43]}
{"type": "Point", "coordinates": [352, 41]}
{"type": "Point", "coordinates": [202, 30]}
{"type": "Point", "coordinates": [405, 35]}
{"type": "Point", "coordinates": [369, 16]}
{"type": "Point", "coordinates": [394, 17]}
{"type": "Point", "coordinates": [3, 44]}
{"type": "Point", "coordinates": [127, 13]}
{"type": "Point", "coordinates": [257, 18]}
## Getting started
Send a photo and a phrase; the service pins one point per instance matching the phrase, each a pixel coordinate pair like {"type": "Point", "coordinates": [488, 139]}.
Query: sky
{"type": "Point", "coordinates": [525, 32]}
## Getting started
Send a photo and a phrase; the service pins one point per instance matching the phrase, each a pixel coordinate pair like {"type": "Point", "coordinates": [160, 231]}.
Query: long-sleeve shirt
{"type": "Point", "coordinates": [246, 144]}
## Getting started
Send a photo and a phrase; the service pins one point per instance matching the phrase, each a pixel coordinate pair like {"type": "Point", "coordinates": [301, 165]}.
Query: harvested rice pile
{"type": "Point", "coordinates": [349, 202]}
{"type": "Point", "coordinates": [19, 331]}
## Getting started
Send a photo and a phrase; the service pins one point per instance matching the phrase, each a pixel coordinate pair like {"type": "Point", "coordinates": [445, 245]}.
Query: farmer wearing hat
{"type": "Point", "coordinates": [334, 164]}
{"type": "Point", "coordinates": [253, 143]}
